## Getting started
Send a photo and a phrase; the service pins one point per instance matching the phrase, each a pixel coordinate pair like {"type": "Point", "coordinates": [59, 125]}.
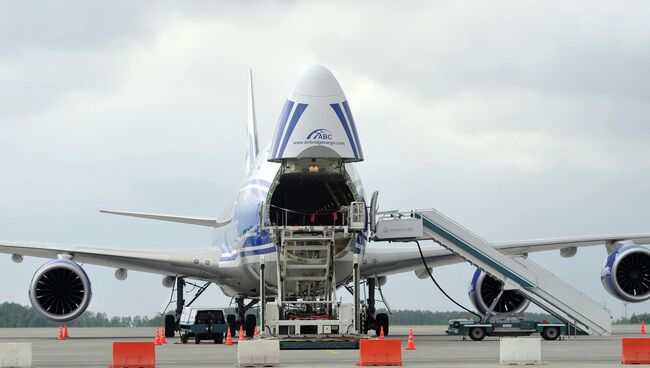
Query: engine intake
{"type": "Point", "coordinates": [483, 289]}
{"type": "Point", "coordinates": [626, 273]}
{"type": "Point", "coordinates": [60, 290]}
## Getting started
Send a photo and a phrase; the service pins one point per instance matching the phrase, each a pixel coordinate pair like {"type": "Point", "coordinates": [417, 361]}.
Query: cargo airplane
{"type": "Point", "coordinates": [299, 231]}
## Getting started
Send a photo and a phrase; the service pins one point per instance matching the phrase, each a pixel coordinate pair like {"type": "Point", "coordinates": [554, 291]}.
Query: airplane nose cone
{"type": "Point", "coordinates": [317, 82]}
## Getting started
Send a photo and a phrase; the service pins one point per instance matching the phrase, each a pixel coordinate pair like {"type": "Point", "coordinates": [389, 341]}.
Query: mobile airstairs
{"type": "Point", "coordinates": [516, 272]}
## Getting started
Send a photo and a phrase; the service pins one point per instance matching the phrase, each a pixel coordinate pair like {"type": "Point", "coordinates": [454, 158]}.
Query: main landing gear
{"type": "Point", "coordinates": [248, 321]}
{"type": "Point", "coordinates": [172, 321]}
{"type": "Point", "coordinates": [240, 318]}
{"type": "Point", "coordinates": [374, 321]}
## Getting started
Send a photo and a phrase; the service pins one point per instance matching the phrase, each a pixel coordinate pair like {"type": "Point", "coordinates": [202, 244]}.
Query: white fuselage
{"type": "Point", "coordinates": [243, 242]}
{"type": "Point", "coordinates": [303, 178]}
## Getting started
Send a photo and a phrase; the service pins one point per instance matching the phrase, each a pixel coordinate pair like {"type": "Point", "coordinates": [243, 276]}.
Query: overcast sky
{"type": "Point", "coordinates": [518, 119]}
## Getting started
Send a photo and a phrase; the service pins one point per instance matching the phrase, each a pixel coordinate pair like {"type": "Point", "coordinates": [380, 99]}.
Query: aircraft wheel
{"type": "Point", "coordinates": [550, 333]}
{"type": "Point", "coordinates": [251, 322]}
{"type": "Point", "coordinates": [170, 325]}
{"type": "Point", "coordinates": [477, 333]}
{"type": "Point", "coordinates": [197, 340]}
{"type": "Point", "coordinates": [381, 320]}
{"type": "Point", "coordinates": [232, 324]}
{"type": "Point", "coordinates": [183, 339]}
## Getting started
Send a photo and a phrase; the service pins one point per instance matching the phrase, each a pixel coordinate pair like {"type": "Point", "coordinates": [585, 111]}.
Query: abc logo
{"type": "Point", "coordinates": [320, 134]}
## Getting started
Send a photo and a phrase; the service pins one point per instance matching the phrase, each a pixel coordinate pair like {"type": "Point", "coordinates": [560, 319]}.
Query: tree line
{"type": "Point", "coordinates": [16, 315]}
{"type": "Point", "coordinates": [634, 319]}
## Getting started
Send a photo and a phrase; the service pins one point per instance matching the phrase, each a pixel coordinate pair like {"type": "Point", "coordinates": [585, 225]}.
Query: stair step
{"type": "Point", "coordinates": [309, 238]}
{"type": "Point", "coordinates": [306, 278]}
{"type": "Point", "coordinates": [323, 248]}
{"type": "Point", "coordinates": [302, 266]}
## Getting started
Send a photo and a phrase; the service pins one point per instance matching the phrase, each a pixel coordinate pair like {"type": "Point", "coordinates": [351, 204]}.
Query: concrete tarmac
{"type": "Point", "coordinates": [92, 347]}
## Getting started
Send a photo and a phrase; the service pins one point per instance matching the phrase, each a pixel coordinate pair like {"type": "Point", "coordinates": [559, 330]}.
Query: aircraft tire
{"type": "Point", "coordinates": [231, 319]}
{"type": "Point", "coordinates": [550, 333]}
{"type": "Point", "coordinates": [477, 333]}
{"type": "Point", "coordinates": [170, 325]}
{"type": "Point", "coordinates": [381, 321]}
{"type": "Point", "coordinates": [251, 322]}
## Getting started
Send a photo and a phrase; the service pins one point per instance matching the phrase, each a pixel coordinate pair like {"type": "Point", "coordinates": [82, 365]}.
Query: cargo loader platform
{"type": "Point", "coordinates": [319, 342]}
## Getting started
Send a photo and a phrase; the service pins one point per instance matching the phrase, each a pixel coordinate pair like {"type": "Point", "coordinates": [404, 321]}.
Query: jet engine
{"type": "Point", "coordinates": [483, 289]}
{"type": "Point", "coordinates": [60, 290]}
{"type": "Point", "coordinates": [626, 273]}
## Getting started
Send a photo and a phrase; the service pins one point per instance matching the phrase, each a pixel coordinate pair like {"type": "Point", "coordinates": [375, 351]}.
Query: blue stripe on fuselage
{"type": "Point", "coordinates": [353, 127]}
{"type": "Point", "coordinates": [284, 116]}
{"type": "Point", "coordinates": [339, 113]}
{"type": "Point", "coordinates": [249, 252]}
{"type": "Point", "coordinates": [257, 239]}
{"type": "Point", "coordinates": [294, 120]}
{"type": "Point", "coordinates": [358, 248]}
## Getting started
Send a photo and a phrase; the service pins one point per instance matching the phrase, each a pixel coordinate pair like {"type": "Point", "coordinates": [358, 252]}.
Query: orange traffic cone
{"type": "Point", "coordinates": [156, 341]}
{"type": "Point", "coordinates": [163, 338]}
{"type": "Point", "coordinates": [228, 337]}
{"type": "Point", "coordinates": [65, 332]}
{"type": "Point", "coordinates": [642, 327]}
{"type": "Point", "coordinates": [60, 336]}
{"type": "Point", "coordinates": [381, 333]}
{"type": "Point", "coordinates": [256, 333]}
{"type": "Point", "coordinates": [411, 343]}
{"type": "Point", "coordinates": [241, 333]}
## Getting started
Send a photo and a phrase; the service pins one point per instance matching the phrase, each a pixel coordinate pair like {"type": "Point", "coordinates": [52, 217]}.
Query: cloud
{"type": "Point", "coordinates": [518, 119]}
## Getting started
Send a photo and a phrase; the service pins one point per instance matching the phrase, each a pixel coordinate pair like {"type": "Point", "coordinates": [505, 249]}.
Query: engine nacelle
{"type": "Point", "coordinates": [626, 273]}
{"type": "Point", "coordinates": [60, 290]}
{"type": "Point", "coordinates": [483, 289]}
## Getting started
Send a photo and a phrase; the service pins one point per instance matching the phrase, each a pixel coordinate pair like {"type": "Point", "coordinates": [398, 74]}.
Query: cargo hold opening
{"type": "Point", "coordinates": [309, 199]}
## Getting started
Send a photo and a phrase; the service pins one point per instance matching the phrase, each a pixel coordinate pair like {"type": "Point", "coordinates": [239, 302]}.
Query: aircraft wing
{"type": "Point", "coordinates": [385, 259]}
{"type": "Point", "coordinates": [191, 263]}
{"type": "Point", "coordinates": [201, 221]}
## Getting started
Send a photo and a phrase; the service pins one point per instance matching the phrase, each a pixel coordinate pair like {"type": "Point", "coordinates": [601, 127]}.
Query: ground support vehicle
{"type": "Point", "coordinates": [477, 331]}
{"type": "Point", "coordinates": [202, 324]}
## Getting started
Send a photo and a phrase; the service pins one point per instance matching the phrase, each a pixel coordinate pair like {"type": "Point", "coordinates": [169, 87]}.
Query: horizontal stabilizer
{"type": "Point", "coordinates": [201, 221]}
